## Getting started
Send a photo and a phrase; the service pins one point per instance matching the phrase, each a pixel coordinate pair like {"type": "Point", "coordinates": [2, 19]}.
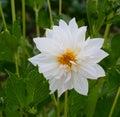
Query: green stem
{"type": "Point", "coordinates": [36, 20]}
{"type": "Point", "coordinates": [21, 112]}
{"type": "Point", "coordinates": [107, 29]}
{"type": "Point", "coordinates": [50, 13]}
{"type": "Point", "coordinates": [56, 102]}
{"type": "Point", "coordinates": [114, 103]}
{"type": "Point", "coordinates": [60, 7]}
{"type": "Point", "coordinates": [23, 19]}
{"type": "Point", "coordinates": [0, 113]}
{"type": "Point", "coordinates": [13, 10]}
{"type": "Point", "coordinates": [57, 107]}
{"type": "Point", "coordinates": [3, 18]}
{"type": "Point", "coordinates": [24, 31]}
{"type": "Point", "coordinates": [16, 65]}
{"type": "Point", "coordinates": [54, 99]}
{"type": "Point", "coordinates": [65, 105]}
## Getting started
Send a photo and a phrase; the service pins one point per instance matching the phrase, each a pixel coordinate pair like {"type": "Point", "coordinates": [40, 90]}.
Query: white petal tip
{"type": "Point", "coordinates": [62, 22]}
{"type": "Point", "coordinates": [32, 61]}
{"type": "Point", "coordinates": [35, 39]}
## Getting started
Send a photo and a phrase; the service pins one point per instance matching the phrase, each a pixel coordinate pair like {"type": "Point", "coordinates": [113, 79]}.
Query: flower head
{"type": "Point", "coordinates": [67, 60]}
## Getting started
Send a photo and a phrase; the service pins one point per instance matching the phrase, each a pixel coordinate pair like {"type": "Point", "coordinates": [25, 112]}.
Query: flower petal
{"type": "Point", "coordinates": [34, 60]}
{"type": "Point", "coordinates": [80, 84]}
{"type": "Point", "coordinates": [92, 71]}
{"type": "Point", "coordinates": [49, 33]}
{"type": "Point", "coordinates": [54, 71]}
{"type": "Point", "coordinates": [61, 91]}
{"type": "Point", "coordinates": [42, 58]}
{"type": "Point", "coordinates": [68, 77]}
{"type": "Point", "coordinates": [81, 33]}
{"type": "Point", "coordinates": [42, 44]}
{"type": "Point", "coordinates": [95, 43]}
{"type": "Point", "coordinates": [56, 84]}
{"type": "Point", "coordinates": [95, 56]}
{"type": "Point", "coordinates": [48, 46]}
{"type": "Point", "coordinates": [73, 26]}
{"type": "Point", "coordinates": [63, 24]}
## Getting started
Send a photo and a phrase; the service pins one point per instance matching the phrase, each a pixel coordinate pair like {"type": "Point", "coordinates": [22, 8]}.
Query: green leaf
{"type": "Point", "coordinates": [3, 1]}
{"type": "Point", "coordinates": [95, 15]}
{"type": "Point", "coordinates": [114, 19]}
{"type": "Point", "coordinates": [76, 104]}
{"type": "Point", "coordinates": [43, 19]}
{"type": "Point", "coordinates": [37, 88]}
{"type": "Point", "coordinates": [112, 81]}
{"type": "Point", "coordinates": [115, 46]}
{"type": "Point", "coordinates": [16, 30]}
{"type": "Point", "coordinates": [103, 106]}
{"type": "Point", "coordinates": [93, 98]}
{"type": "Point", "coordinates": [38, 3]}
{"type": "Point", "coordinates": [116, 112]}
{"type": "Point", "coordinates": [15, 92]}
{"type": "Point", "coordinates": [8, 46]}
{"type": "Point", "coordinates": [1, 25]}
{"type": "Point", "coordinates": [91, 12]}
{"type": "Point", "coordinates": [11, 113]}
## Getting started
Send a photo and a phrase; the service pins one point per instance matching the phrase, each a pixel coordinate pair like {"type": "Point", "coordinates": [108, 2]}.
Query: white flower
{"type": "Point", "coordinates": [67, 60]}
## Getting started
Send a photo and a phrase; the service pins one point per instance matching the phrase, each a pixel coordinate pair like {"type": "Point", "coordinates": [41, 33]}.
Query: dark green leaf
{"type": "Point", "coordinates": [112, 80]}
{"type": "Point", "coordinates": [103, 106]}
{"type": "Point", "coordinates": [1, 25]}
{"type": "Point", "coordinates": [15, 92]}
{"type": "Point", "coordinates": [93, 98]}
{"type": "Point", "coordinates": [38, 3]}
{"type": "Point", "coordinates": [11, 113]}
{"type": "Point", "coordinates": [16, 30]}
{"type": "Point", "coordinates": [76, 104]}
{"type": "Point", "coordinates": [91, 12]}
{"type": "Point", "coordinates": [115, 46]}
{"type": "Point", "coordinates": [96, 15]}
{"type": "Point", "coordinates": [8, 46]}
{"type": "Point", "coordinates": [114, 19]}
{"type": "Point", "coordinates": [37, 88]}
{"type": "Point", "coordinates": [43, 20]}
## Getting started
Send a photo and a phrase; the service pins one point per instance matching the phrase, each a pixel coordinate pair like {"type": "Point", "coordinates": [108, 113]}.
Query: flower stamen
{"type": "Point", "coordinates": [67, 58]}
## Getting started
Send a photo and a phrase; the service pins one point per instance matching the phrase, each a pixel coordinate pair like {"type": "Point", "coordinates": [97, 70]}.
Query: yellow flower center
{"type": "Point", "coordinates": [67, 57]}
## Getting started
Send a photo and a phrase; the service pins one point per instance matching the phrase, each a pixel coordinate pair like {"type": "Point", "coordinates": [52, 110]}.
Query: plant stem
{"type": "Point", "coordinates": [24, 31]}
{"type": "Point", "coordinates": [3, 18]}
{"type": "Point", "coordinates": [57, 106]}
{"type": "Point", "coordinates": [65, 104]}
{"type": "Point", "coordinates": [21, 112]}
{"type": "Point", "coordinates": [60, 7]}
{"type": "Point", "coordinates": [0, 113]}
{"type": "Point", "coordinates": [13, 10]}
{"type": "Point", "coordinates": [56, 102]}
{"type": "Point", "coordinates": [54, 99]}
{"type": "Point", "coordinates": [23, 19]}
{"type": "Point", "coordinates": [114, 103]}
{"type": "Point", "coordinates": [106, 34]}
{"type": "Point", "coordinates": [36, 20]}
{"type": "Point", "coordinates": [16, 65]}
{"type": "Point", "coordinates": [50, 13]}
{"type": "Point", "coordinates": [107, 29]}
